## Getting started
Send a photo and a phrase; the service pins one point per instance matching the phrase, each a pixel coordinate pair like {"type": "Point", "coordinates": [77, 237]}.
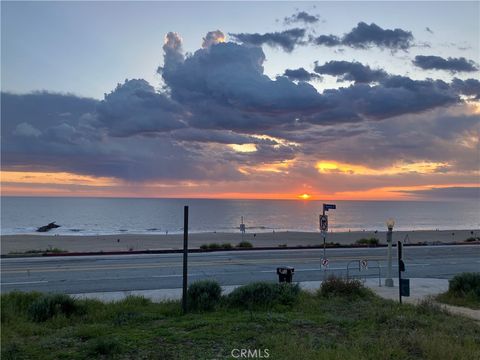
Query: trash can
{"type": "Point", "coordinates": [285, 274]}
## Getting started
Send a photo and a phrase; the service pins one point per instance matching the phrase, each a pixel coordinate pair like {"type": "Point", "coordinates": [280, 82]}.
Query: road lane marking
{"type": "Point", "coordinates": [24, 282]}
{"type": "Point", "coordinates": [177, 264]}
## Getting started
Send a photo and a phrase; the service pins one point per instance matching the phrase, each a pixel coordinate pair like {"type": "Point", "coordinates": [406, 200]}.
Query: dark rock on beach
{"type": "Point", "coordinates": [48, 227]}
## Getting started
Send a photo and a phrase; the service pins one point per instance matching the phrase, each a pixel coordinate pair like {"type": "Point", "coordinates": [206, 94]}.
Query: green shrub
{"type": "Point", "coordinates": [103, 346]}
{"type": "Point", "coordinates": [214, 246]}
{"type": "Point", "coordinates": [336, 286]}
{"type": "Point", "coordinates": [135, 300]}
{"type": "Point", "coordinates": [47, 306]}
{"type": "Point", "coordinates": [263, 295]}
{"type": "Point", "coordinates": [204, 295]}
{"type": "Point", "coordinates": [472, 239]}
{"type": "Point", "coordinates": [429, 306]}
{"type": "Point", "coordinates": [465, 285]}
{"type": "Point", "coordinates": [12, 351]}
{"type": "Point", "coordinates": [17, 303]}
{"type": "Point", "coordinates": [370, 242]}
{"type": "Point", "coordinates": [244, 244]}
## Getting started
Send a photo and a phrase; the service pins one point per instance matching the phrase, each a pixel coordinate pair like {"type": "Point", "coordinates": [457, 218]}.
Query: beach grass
{"type": "Point", "coordinates": [463, 290]}
{"type": "Point", "coordinates": [314, 327]}
{"type": "Point", "coordinates": [50, 250]}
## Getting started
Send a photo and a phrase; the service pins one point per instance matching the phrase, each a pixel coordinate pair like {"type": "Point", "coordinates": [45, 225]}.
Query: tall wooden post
{"type": "Point", "coordinates": [185, 259]}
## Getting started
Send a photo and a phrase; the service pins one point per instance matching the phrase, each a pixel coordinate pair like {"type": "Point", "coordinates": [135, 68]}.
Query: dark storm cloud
{"type": "Point", "coordinates": [451, 64]}
{"type": "Point", "coordinates": [327, 40]}
{"type": "Point", "coordinates": [302, 16]}
{"type": "Point", "coordinates": [351, 71]}
{"type": "Point", "coordinates": [287, 40]}
{"type": "Point", "coordinates": [394, 96]}
{"type": "Point", "coordinates": [134, 107]}
{"type": "Point", "coordinates": [301, 74]}
{"type": "Point", "coordinates": [433, 137]}
{"type": "Point", "coordinates": [41, 110]}
{"type": "Point", "coordinates": [224, 86]}
{"type": "Point", "coordinates": [43, 138]}
{"type": "Point", "coordinates": [469, 87]}
{"type": "Point", "coordinates": [364, 36]}
{"type": "Point", "coordinates": [216, 96]}
{"type": "Point", "coordinates": [218, 136]}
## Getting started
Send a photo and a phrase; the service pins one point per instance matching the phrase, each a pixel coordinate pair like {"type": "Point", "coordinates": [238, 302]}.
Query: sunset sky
{"type": "Point", "coordinates": [271, 100]}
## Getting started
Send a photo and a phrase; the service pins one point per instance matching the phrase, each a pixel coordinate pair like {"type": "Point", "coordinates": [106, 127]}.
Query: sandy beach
{"type": "Point", "coordinates": [130, 242]}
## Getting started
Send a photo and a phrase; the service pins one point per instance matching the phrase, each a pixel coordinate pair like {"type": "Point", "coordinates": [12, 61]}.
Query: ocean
{"type": "Point", "coordinates": [101, 216]}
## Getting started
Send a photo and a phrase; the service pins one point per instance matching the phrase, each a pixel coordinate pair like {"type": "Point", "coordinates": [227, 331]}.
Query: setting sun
{"type": "Point", "coordinates": [304, 196]}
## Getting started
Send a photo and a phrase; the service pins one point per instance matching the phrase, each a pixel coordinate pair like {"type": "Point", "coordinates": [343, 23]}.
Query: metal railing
{"type": "Point", "coordinates": [364, 270]}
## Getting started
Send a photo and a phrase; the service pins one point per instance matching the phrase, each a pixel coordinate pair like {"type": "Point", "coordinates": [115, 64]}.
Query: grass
{"type": "Point", "coordinates": [216, 246]}
{"type": "Point", "coordinates": [314, 327]}
{"type": "Point", "coordinates": [370, 241]}
{"type": "Point", "coordinates": [335, 286]}
{"type": "Point", "coordinates": [463, 290]}
{"type": "Point", "coordinates": [244, 244]}
{"type": "Point", "coordinates": [204, 295]}
{"type": "Point", "coordinates": [50, 250]}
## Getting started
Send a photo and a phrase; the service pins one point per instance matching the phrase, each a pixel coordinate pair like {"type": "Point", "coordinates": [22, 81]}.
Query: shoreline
{"type": "Point", "coordinates": [131, 242]}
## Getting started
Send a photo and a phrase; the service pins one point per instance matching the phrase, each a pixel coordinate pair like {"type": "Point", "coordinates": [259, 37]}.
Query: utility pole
{"type": "Point", "coordinates": [324, 229]}
{"type": "Point", "coordinates": [185, 259]}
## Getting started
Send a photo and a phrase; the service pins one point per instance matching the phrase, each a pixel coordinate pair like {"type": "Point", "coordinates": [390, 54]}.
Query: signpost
{"type": "Point", "coordinates": [403, 284]}
{"type": "Point", "coordinates": [323, 220]}
{"type": "Point", "coordinates": [364, 264]}
{"type": "Point", "coordinates": [185, 259]}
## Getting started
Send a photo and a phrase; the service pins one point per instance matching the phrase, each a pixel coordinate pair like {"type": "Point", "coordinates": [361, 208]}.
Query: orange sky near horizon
{"type": "Point", "coordinates": [15, 183]}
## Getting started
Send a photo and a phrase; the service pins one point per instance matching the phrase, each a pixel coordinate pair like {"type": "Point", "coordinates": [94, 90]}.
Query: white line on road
{"type": "Point", "coordinates": [25, 282]}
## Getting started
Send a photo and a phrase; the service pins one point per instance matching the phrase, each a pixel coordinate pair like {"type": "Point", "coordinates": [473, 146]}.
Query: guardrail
{"type": "Point", "coordinates": [363, 267]}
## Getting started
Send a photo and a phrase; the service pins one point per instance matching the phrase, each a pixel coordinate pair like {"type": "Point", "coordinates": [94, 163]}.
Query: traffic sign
{"type": "Point", "coordinates": [327, 207]}
{"type": "Point", "coordinates": [364, 264]}
{"type": "Point", "coordinates": [323, 222]}
{"type": "Point", "coordinates": [325, 263]}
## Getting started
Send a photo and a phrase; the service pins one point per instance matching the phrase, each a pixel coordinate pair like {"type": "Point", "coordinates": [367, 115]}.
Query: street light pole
{"type": "Point", "coordinates": [388, 279]}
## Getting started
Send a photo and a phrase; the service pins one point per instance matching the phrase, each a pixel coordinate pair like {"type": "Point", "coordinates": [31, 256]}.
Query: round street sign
{"type": "Point", "coordinates": [364, 264]}
{"type": "Point", "coordinates": [324, 262]}
{"type": "Point", "coordinates": [324, 222]}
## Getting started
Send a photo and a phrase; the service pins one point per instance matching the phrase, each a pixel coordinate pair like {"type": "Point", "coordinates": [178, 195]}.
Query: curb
{"type": "Point", "coordinates": [198, 250]}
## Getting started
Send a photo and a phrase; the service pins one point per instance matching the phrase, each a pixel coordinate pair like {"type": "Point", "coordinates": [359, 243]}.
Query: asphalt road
{"type": "Point", "coordinates": [83, 274]}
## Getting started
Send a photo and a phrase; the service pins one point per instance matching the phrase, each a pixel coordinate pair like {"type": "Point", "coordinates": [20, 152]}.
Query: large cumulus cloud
{"type": "Point", "coordinates": [219, 96]}
{"type": "Point", "coordinates": [135, 107]}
